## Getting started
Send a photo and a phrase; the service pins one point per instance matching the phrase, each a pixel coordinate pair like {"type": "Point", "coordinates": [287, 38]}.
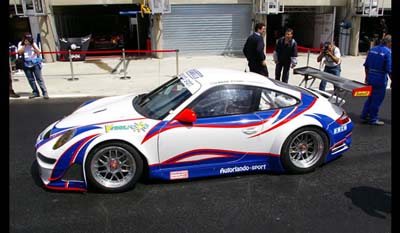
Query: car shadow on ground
{"type": "Point", "coordinates": [146, 180]}
{"type": "Point", "coordinates": [373, 201]}
{"type": "Point", "coordinates": [356, 119]}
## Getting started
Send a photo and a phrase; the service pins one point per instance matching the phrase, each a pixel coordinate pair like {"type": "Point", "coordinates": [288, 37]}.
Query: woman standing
{"type": "Point", "coordinates": [32, 65]}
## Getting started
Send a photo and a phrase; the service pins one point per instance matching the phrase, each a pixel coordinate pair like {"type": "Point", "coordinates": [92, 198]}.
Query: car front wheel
{"type": "Point", "coordinates": [113, 167]}
{"type": "Point", "coordinates": [304, 150]}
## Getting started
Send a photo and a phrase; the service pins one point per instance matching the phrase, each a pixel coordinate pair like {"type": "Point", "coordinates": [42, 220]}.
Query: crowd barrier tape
{"type": "Point", "coordinates": [123, 53]}
{"type": "Point", "coordinates": [107, 51]}
{"type": "Point", "coordinates": [305, 49]}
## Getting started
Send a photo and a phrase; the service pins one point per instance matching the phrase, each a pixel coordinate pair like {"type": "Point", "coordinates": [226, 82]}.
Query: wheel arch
{"type": "Point", "coordinates": [276, 146]}
{"type": "Point", "coordinates": [308, 127]}
{"type": "Point", "coordinates": [110, 141]}
{"type": "Point", "coordinates": [315, 127]}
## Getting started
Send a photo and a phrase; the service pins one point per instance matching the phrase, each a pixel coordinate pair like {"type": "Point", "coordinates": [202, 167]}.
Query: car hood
{"type": "Point", "coordinates": [101, 111]}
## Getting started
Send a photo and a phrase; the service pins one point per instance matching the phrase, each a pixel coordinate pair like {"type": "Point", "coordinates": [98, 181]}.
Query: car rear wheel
{"type": "Point", "coordinates": [304, 150]}
{"type": "Point", "coordinates": [113, 167]}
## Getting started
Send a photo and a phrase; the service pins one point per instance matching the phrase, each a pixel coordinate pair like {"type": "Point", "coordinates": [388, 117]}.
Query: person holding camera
{"type": "Point", "coordinates": [330, 55]}
{"type": "Point", "coordinates": [32, 65]}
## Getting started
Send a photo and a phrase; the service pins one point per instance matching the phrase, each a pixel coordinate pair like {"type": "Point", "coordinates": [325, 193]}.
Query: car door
{"type": "Point", "coordinates": [221, 134]}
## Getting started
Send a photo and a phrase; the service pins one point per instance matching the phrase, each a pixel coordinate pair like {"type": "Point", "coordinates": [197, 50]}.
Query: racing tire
{"type": "Point", "coordinates": [304, 150]}
{"type": "Point", "coordinates": [113, 167]}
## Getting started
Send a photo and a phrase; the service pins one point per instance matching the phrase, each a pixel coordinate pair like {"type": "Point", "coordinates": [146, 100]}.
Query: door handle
{"type": "Point", "coordinates": [251, 130]}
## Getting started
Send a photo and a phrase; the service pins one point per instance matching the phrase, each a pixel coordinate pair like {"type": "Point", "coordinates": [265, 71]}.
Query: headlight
{"type": "Point", "coordinates": [64, 138]}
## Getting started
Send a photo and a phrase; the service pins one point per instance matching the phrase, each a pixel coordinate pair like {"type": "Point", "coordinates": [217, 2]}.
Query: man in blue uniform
{"type": "Point", "coordinates": [254, 50]}
{"type": "Point", "coordinates": [378, 66]}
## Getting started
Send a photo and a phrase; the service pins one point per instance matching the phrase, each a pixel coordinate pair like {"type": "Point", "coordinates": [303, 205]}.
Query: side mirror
{"type": "Point", "coordinates": [186, 116]}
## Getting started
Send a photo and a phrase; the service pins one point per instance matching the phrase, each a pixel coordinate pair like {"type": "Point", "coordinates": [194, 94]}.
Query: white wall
{"type": "Point", "coordinates": [322, 29]}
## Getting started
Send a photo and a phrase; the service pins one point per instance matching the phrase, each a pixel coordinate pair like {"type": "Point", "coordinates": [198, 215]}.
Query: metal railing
{"type": "Point", "coordinates": [124, 59]}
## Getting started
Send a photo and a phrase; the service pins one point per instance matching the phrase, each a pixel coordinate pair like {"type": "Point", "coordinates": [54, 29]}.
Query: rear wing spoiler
{"type": "Point", "coordinates": [342, 86]}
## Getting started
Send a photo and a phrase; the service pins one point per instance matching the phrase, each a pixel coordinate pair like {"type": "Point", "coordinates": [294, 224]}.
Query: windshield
{"type": "Point", "coordinates": [160, 102]}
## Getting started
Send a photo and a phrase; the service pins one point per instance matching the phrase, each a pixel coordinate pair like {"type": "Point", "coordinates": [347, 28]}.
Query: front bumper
{"type": "Point", "coordinates": [46, 170]}
{"type": "Point", "coordinates": [55, 165]}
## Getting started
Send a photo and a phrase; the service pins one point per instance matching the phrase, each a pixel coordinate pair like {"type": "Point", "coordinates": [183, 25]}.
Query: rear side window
{"type": "Point", "coordinates": [271, 99]}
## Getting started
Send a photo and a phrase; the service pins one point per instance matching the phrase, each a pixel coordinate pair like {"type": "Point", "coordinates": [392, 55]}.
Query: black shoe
{"type": "Point", "coordinates": [364, 120]}
{"type": "Point", "coordinates": [33, 96]}
{"type": "Point", "coordinates": [14, 95]}
{"type": "Point", "coordinates": [378, 122]}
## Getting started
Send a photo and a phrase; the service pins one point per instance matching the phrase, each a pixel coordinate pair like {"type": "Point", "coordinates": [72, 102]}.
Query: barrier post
{"type": "Point", "coordinates": [10, 67]}
{"type": "Point", "coordinates": [72, 68]}
{"type": "Point", "coordinates": [177, 62]}
{"type": "Point", "coordinates": [124, 62]}
{"type": "Point", "coordinates": [159, 72]}
{"type": "Point", "coordinates": [308, 56]}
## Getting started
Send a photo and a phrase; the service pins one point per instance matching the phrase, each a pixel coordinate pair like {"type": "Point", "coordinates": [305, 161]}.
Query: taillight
{"type": "Point", "coordinates": [343, 119]}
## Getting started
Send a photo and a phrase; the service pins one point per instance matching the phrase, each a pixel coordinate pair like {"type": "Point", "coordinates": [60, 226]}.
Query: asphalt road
{"type": "Point", "coordinates": [350, 194]}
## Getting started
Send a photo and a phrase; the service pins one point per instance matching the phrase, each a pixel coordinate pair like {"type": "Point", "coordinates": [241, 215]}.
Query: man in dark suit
{"type": "Point", "coordinates": [254, 50]}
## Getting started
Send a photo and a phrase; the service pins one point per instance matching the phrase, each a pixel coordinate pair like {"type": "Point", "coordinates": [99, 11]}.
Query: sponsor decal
{"type": "Point", "coordinates": [108, 128]}
{"type": "Point", "coordinates": [175, 175]}
{"type": "Point", "coordinates": [140, 127]}
{"type": "Point", "coordinates": [188, 77]}
{"type": "Point", "coordinates": [194, 74]}
{"type": "Point", "coordinates": [75, 56]}
{"type": "Point", "coordinates": [257, 167]}
{"type": "Point", "coordinates": [362, 93]}
{"type": "Point", "coordinates": [340, 129]}
{"type": "Point", "coordinates": [187, 81]}
{"type": "Point", "coordinates": [136, 127]}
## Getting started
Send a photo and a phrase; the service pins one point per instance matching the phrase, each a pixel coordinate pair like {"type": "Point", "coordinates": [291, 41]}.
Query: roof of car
{"type": "Point", "coordinates": [211, 76]}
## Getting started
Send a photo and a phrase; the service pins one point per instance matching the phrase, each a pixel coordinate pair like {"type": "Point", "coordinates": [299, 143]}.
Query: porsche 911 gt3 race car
{"type": "Point", "coordinates": [204, 122]}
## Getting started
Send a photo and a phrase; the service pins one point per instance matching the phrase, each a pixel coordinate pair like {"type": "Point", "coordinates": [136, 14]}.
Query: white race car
{"type": "Point", "coordinates": [204, 122]}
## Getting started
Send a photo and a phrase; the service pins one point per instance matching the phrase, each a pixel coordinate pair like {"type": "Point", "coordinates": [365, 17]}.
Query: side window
{"type": "Point", "coordinates": [271, 99]}
{"type": "Point", "coordinates": [226, 100]}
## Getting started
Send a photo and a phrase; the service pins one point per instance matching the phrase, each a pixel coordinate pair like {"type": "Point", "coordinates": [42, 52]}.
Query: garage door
{"type": "Point", "coordinates": [207, 29]}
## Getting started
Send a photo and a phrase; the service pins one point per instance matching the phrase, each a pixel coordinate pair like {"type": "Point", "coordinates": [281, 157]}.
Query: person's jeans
{"type": "Point", "coordinates": [373, 103]}
{"type": "Point", "coordinates": [332, 70]}
{"type": "Point", "coordinates": [257, 67]}
{"type": "Point", "coordinates": [34, 74]}
{"type": "Point", "coordinates": [285, 74]}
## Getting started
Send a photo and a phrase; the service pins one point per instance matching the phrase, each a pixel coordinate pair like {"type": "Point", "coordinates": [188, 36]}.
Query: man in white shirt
{"type": "Point", "coordinates": [330, 54]}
